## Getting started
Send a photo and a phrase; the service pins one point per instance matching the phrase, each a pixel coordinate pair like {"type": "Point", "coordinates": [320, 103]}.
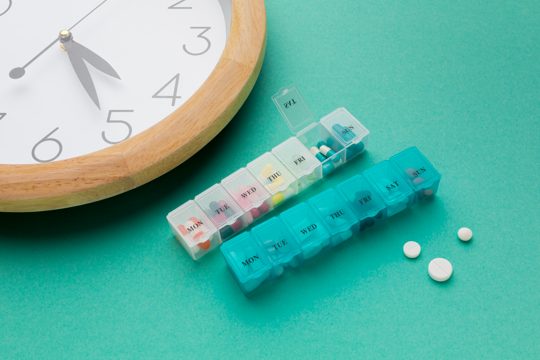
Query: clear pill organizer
{"type": "Point", "coordinates": [329, 218]}
{"type": "Point", "coordinates": [315, 150]}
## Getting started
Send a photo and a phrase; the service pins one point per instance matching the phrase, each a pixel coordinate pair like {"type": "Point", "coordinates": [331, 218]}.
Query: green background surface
{"type": "Point", "coordinates": [459, 79]}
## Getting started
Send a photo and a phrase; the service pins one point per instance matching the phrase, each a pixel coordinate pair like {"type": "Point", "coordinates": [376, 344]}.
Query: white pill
{"type": "Point", "coordinates": [464, 234]}
{"type": "Point", "coordinates": [440, 269]}
{"type": "Point", "coordinates": [412, 249]}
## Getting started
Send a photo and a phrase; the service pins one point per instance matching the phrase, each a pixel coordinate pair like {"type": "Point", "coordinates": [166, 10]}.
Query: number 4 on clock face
{"type": "Point", "coordinates": [173, 83]}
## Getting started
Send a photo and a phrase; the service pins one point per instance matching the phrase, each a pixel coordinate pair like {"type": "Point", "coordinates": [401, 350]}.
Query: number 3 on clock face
{"type": "Point", "coordinates": [118, 68]}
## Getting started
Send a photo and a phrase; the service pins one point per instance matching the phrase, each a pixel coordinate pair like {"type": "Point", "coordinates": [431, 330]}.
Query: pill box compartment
{"type": "Point", "coordinates": [223, 211]}
{"type": "Point", "coordinates": [336, 214]}
{"type": "Point", "coordinates": [274, 176]}
{"type": "Point", "coordinates": [392, 186]}
{"type": "Point", "coordinates": [364, 200]}
{"type": "Point", "coordinates": [249, 193]}
{"type": "Point", "coordinates": [347, 130]}
{"type": "Point", "coordinates": [307, 228]}
{"type": "Point", "coordinates": [193, 229]}
{"type": "Point", "coordinates": [247, 261]}
{"type": "Point", "coordinates": [279, 244]}
{"type": "Point", "coordinates": [300, 162]}
{"type": "Point", "coordinates": [419, 172]}
{"type": "Point", "coordinates": [316, 136]}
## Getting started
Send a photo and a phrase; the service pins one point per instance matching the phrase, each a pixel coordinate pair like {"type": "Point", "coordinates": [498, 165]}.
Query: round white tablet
{"type": "Point", "coordinates": [440, 269]}
{"type": "Point", "coordinates": [411, 249]}
{"type": "Point", "coordinates": [464, 234]}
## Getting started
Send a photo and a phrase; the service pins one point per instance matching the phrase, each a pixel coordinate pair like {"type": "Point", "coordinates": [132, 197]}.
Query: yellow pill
{"type": "Point", "coordinates": [278, 198]}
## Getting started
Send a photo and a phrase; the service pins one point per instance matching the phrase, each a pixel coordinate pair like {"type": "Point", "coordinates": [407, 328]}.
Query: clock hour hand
{"type": "Point", "coordinates": [79, 56]}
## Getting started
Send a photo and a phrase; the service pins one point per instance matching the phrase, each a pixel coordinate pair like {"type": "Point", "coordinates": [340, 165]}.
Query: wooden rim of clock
{"type": "Point", "coordinates": [138, 160]}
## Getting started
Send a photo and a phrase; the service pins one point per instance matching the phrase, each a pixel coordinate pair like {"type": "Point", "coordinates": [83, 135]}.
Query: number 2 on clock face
{"type": "Point", "coordinates": [105, 78]}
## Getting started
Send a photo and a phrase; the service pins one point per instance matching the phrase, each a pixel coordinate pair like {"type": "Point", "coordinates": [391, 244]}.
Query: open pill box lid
{"type": "Point", "coordinates": [293, 108]}
{"type": "Point", "coordinates": [340, 123]}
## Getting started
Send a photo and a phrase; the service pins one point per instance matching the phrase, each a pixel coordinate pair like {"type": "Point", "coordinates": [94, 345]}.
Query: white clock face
{"type": "Point", "coordinates": [119, 67]}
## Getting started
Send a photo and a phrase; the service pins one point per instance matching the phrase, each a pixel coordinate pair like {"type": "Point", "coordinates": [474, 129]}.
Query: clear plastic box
{"type": "Point", "coordinates": [275, 177]}
{"type": "Point", "coordinates": [317, 149]}
{"type": "Point", "coordinates": [300, 161]}
{"type": "Point", "coordinates": [193, 229]}
{"type": "Point", "coordinates": [223, 211]}
{"type": "Point", "coordinates": [248, 193]}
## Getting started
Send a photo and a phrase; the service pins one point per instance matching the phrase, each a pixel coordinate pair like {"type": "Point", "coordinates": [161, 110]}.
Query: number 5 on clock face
{"type": "Point", "coordinates": [105, 77]}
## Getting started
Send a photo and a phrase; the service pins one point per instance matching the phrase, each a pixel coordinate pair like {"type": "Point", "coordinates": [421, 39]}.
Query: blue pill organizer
{"type": "Point", "coordinates": [330, 218]}
{"type": "Point", "coordinates": [316, 150]}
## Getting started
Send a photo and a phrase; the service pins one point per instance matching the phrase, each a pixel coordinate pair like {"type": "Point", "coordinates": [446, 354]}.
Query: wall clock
{"type": "Point", "coordinates": [99, 97]}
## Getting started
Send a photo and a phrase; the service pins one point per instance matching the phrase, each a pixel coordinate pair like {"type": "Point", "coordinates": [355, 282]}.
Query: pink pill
{"type": "Point", "coordinates": [255, 213]}
{"type": "Point", "coordinates": [237, 225]}
{"type": "Point", "coordinates": [264, 208]}
{"type": "Point", "coordinates": [418, 181]}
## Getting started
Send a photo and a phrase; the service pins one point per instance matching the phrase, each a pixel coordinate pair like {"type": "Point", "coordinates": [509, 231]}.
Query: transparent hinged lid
{"type": "Point", "coordinates": [245, 189]}
{"type": "Point", "coordinates": [191, 223]}
{"type": "Point", "coordinates": [296, 157]}
{"type": "Point", "coordinates": [218, 205]}
{"type": "Point", "coordinates": [271, 173]}
{"type": "Point", "coordinates": [293, 108]}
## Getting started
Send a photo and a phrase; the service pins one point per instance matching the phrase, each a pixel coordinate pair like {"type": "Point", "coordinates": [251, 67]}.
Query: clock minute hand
{"type": "Point", "coordinates": [79, 55]}
{"type": "Point", "coordinates": [19, 72]}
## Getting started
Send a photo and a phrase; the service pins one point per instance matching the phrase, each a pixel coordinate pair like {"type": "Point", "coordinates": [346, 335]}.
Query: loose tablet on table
{"type": "Point", "coordinates": [412, 249]}
{"type": "Point", "coordinates": [465, 234]}
{"type": "Point", "coordinates": [440, 269]}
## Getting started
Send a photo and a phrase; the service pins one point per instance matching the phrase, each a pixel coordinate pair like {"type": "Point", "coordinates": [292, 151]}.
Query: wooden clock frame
{"type": "Point", "coordinates": [144, 157]}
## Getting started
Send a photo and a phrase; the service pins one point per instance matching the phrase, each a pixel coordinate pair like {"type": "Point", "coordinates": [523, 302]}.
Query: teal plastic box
{"type": "Point", "coordinates": [330, 218]}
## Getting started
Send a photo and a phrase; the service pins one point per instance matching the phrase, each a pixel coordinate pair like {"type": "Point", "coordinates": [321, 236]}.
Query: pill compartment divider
{"type": "Point", "coordinates": [193, 229]}
{"type": "Point", "coordinates": [364, 199]}
{"type": "Point", "coordinates": [309, 133]}
{"type": "Point", "coordinates": [223, 211]}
